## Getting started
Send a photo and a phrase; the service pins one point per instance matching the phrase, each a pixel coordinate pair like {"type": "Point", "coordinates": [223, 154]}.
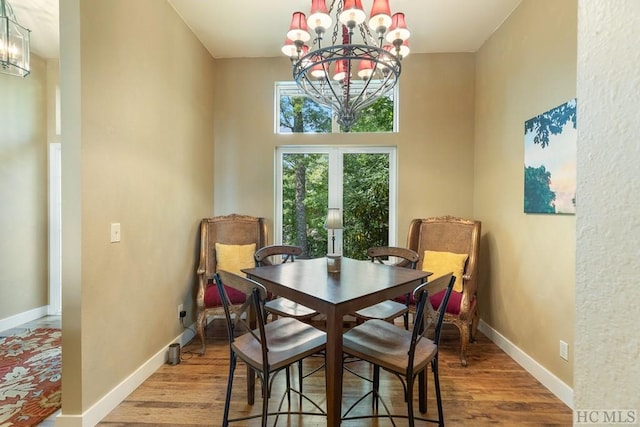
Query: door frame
{"type": "Point", "coordinates": [55, 229]}
{"type": "Point", "coordinates": [335, 153]}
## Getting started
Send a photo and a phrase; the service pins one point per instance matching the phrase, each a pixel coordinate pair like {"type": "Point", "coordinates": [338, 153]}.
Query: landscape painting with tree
{"type": "Point", "coordinates": [550, 161]}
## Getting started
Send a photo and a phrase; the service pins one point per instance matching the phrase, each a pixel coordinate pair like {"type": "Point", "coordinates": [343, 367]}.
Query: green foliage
{"type": "Point", "coordinates": [538, 197]}
{"type": "Point", "coordinates": [378, 117]}
{"type": "Point", "coordinates": [366, 203]}
{"type": "Point", "coordinates": [301, 114]}
{"type": "Point", "coordinates": [307, 231]}
{"type": "Point", "coordinates": [551, 122]}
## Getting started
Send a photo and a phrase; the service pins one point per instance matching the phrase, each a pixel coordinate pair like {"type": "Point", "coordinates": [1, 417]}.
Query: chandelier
{"type": "Point", "coordinates": [14, 43]}
{"type": "Point", "coordinates": [362, 63]}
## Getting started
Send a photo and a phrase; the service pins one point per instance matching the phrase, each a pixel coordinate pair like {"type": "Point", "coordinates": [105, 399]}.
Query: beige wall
{"type": "Point", "coordinates": [23, 191]}
{"type": "Point", "coordinates": [435, 142]}
{"type": "Point", "coordinates": [138, 150]}
{"type": "Point", "coordinates": [527, 261]}
{"type": "Point", "coordinates": [607, 373]}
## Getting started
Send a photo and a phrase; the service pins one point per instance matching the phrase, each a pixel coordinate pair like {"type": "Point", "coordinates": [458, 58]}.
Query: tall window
{"type": "Point", "coordinates": [358, 180]}
{"type": "Point", "coordinates": [297, 113]}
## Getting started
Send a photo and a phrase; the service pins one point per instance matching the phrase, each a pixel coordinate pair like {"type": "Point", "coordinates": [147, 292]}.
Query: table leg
{"type": "Point", "coordinates": [333, 369]}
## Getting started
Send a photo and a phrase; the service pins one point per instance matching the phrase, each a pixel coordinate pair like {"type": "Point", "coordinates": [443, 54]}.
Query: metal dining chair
{"type": "Point", "coordinates": [407, 354]}
{"type": "Point", "coordinates": [268, 349]}
{"type": "Point", "coordinates": [279, 306]}
{"type": "Point", "coordinates": [390, 309]}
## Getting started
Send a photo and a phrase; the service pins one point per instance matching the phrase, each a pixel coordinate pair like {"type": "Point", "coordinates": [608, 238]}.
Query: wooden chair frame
{"type": "Point", "coordinates": [230, 229]}
{"type": "Point", "coordinates": [457, 235]}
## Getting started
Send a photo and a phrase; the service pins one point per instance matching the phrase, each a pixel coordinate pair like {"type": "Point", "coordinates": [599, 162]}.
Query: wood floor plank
{"type": "Point", "coordinates": [492, 390]}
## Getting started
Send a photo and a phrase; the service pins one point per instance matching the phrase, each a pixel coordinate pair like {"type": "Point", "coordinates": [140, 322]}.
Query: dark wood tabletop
{"type": "Point", "coordinates": [359, 284]}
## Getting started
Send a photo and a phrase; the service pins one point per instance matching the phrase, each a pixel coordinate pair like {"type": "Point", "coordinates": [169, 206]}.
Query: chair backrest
{"type": "Point", "coordinates": [423, 309]}
{"type": "Point", "coordinates": [448, 234]}
{"type": "Point", "coordinates": [407, 257]}
{"type": "Point", "coordinates": [231, 230]}
{"type": "Point", "coordinates": [256, 295]}
{"type": "Point", "coordinates": [263, 256]}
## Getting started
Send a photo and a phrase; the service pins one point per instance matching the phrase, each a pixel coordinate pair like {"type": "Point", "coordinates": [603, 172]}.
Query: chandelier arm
{"type": "Point", "coordinates": [373, 96]}
{"type": "Point", "coordinates": [321, 96]}
{"type": "Point", "coordinates": [316, 93]}
{"type": "Point", "coordinates": [379, 91]}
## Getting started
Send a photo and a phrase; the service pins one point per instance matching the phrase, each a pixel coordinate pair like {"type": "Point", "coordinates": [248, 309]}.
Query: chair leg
{"type": "Point", "coordinates": [227, 401]}
{"type": "Point", "coordinates": [300, 378]}
{"type": "Point", "coordinates": [422, 391]}
{"type": "Point", "coordinates": [474, 325]}
{"type": "Point", "coordinates": [436, 382]}
{"type": "Point", "coordinates": [266, 392]}
{"type": "Point", "coordinates": [200, 329]}
{"type": "Point", "coordinates": [376, 387]}
{"type": "Point", "coordinates": [409, 397]}
{"type": "Point", "coordinates": [464, 341]}
{"type": "Point", "coordinates": [288, 376]}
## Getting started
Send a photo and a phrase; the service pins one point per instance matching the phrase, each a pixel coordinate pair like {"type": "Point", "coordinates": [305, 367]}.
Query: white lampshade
{"type": "Point", "coordinates": [334, 219]}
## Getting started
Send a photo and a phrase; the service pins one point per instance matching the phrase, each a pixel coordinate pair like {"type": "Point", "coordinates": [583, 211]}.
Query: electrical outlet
{"type": "Point", "coordinates": [180, 310]}
{"type": "Point", "coordinates": [564, 350]}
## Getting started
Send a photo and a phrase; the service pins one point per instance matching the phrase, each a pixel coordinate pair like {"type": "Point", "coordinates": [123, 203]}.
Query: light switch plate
{"type": "Point", "coordinates": [115, 232]}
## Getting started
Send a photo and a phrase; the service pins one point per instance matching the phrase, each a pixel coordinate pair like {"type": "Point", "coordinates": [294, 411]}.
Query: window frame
{"type": "Point", "coordinates": [335, 180]}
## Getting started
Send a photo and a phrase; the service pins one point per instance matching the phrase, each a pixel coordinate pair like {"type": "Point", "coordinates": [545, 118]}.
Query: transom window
{"type": "Point", "coordinates": [297, 113]}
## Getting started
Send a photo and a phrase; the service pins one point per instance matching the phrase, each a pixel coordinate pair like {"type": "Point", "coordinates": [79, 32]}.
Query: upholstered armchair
{"type": "Point", "coordinates": [447, 244]}
{"type": "Point", "coordinates": [226, 243]}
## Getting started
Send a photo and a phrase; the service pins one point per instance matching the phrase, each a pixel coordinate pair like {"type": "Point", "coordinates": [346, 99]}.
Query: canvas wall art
{"type": "Point", "coordinates": [550, 161]}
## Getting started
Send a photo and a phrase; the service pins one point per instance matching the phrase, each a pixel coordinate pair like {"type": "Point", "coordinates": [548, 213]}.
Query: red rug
{"type": "Point", "coordinates": [30, 366]}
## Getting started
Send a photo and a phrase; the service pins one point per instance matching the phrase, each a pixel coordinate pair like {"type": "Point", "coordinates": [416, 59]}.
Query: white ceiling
{"type": "Point", "coordinates": [41, 17]}
{"type": "Point", "coordinates": [250, 28]}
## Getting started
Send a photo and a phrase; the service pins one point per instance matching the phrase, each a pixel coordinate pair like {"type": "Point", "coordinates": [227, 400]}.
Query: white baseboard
{"type": "Point", "coordinates": [539, 372]}
{"type": "Point", "coordinates": [111, 400]}
{"type": "Point", "coordinates": [24, 317]}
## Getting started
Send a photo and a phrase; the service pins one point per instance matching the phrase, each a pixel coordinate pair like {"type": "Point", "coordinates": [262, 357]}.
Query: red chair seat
{"type": "Point", "coordinates": [212, 297]}
{"type": "Point", "coordinates": [453, 307]}
{"type": "Point", "coordinates": [455, 300]}
{"type": "Point", "coordinates": [403, 299]}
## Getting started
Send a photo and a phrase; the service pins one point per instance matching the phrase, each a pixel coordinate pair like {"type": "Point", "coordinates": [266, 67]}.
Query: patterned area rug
{"type": "Point", "coordinates": [30, 366]}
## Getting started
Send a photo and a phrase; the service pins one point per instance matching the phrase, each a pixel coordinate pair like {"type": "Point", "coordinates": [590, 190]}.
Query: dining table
{"type": "Point", "coordinates": [357, 285]}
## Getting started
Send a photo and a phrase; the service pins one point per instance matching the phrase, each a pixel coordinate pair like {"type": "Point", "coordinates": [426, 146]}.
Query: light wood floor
{"type": "Point", "coordinates": [492, 390]}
